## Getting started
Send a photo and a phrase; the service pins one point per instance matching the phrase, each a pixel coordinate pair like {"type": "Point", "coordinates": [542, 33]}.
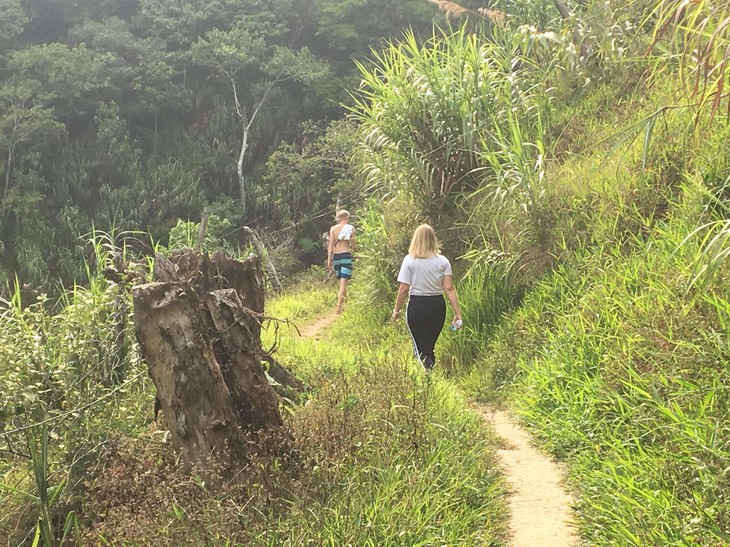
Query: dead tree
{"type": "Point", "coordinates": [198, 325]}
{"type": "Point", "coordinates": [273, 276]}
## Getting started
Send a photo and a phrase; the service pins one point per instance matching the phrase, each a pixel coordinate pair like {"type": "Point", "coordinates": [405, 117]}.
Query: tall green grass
{"type": "Point", "coordinates": [625, 374]}
{"type": "Point", "coordinates": [61, 399]}
{"type": "Point", "coordinates": [381, 455]}
{"type": "Point", "coordinates": [491, 289]}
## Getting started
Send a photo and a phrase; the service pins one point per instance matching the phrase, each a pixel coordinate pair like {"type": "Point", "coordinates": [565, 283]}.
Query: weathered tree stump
{"type": "Point", "coordinates": [199, 329]}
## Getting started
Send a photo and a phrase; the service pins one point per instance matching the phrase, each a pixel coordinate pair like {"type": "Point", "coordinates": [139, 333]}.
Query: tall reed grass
{"type": "Point", "coordinates": [381, 455]}
{"type": "Point", "coordinates": [627, 380]}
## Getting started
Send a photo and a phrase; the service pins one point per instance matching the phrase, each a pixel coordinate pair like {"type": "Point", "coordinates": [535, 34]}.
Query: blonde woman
{"type": "Point", "coordinates": [424, 277]}
{"type": "Point", "coordinates": [339, 254]}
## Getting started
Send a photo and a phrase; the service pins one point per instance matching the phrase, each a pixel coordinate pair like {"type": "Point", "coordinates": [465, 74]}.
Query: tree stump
{"type": "Point", "coordinates": [198, 325]}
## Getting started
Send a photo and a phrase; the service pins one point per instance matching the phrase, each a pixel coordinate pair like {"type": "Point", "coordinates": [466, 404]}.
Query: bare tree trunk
{"type": "Point", "coordinates": [265, 257]}
{"type": "Point", "coordinates": [154, 142]}
{"type": "Point", "coordinates": [199, 330]}
{"type": "Point", "coordinates": [246, 124]}
{"type": "Point", "coordinates": [202, 228]}
{"type": "Point", "coordinates": [8, 171]}
{"type": "Point", "coordinates": [239, 166]}
{"type": "Point", "coordinates": [562, 9]}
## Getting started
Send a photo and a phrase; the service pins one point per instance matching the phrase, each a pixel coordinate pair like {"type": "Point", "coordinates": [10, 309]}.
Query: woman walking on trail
{"type": "Point", "coordinates": [339, 254]}
{"type": "Point", "coordinates": [425, 276]}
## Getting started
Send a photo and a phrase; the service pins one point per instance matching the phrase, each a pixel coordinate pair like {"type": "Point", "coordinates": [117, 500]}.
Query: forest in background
{"type": "Point", "coordinates": [572, 157]}
{"type": "Point", "coordinates": [127, 116]}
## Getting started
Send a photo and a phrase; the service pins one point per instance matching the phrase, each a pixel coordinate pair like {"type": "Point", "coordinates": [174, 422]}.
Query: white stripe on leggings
{"type": "Point", "coordinates": [415, 347]}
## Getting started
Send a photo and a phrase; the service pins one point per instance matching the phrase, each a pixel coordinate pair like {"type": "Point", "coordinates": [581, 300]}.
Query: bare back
{"type": "Point", "coordinates": [337, 245]}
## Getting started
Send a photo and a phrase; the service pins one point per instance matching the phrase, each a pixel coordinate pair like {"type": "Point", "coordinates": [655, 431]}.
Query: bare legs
{"type": "Point", "coordinates": [342, 295]}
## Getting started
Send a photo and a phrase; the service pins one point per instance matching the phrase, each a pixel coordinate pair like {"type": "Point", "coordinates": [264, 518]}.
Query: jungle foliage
{"type": "Point", "coordinates": [572, 157]}
{"type": "Point", "coordinates": [132, 115]}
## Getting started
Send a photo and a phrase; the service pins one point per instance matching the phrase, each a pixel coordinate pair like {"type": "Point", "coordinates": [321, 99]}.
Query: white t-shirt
{"type": "Point", "coordinates": [424, 275]}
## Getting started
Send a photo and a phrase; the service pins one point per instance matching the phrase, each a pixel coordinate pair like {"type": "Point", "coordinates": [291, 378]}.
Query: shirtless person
{"type": "Point", "coordinates": [339, 254]}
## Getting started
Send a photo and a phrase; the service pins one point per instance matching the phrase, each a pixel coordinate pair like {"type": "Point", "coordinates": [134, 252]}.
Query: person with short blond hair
{"type": "Point", "coordinates": [339, 254]}
{"type": "Point", "coordinates": [425, 276]}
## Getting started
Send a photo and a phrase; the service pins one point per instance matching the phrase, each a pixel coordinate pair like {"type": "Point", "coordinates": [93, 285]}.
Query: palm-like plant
{"type": "Point", "coordinates": [422, 110]}
{"type": "Point", "coordinates": [433, 116]}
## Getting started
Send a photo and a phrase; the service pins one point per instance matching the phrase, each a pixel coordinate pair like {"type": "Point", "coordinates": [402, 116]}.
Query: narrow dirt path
{"type": "Point", "coordinates": [319, 327]}
{"type": "Point", "coordinates": [540, 508]}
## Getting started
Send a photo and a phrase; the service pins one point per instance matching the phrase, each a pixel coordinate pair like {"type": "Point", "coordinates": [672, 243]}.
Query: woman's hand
{"type": "Point", "coordinates": [400, 300]}
{"type": "Point", "coordinates": [447, 282]}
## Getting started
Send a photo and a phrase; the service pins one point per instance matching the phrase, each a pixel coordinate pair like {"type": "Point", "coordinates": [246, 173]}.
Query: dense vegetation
{"type": "Point", "coordinates": [131, 115]}
{"type": "Point", "coordinates": [572, 157]}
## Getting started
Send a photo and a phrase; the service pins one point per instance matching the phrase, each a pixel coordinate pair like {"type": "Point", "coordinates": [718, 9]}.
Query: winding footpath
{"type": "Point", "coordinates": [317, 329]}
{"type": "Point", "coordinates": [540, 509]}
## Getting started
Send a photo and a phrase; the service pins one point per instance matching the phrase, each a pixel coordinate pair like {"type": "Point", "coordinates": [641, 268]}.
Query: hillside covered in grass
{"type": "Point", "coordinates": [573, 159]}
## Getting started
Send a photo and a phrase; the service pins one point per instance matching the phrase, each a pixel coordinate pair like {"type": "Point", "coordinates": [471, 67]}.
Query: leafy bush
{"type": "Point", "coordinates": [67, 378]}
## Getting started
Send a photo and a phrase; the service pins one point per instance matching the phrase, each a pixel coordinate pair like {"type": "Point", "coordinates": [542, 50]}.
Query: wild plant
{"type": "Point", "coordinates": [714, 250]}
{"type": "Point", "coordinates": [46, 495]}
{"type": "Point", "coordinates": [698, 33]}
{"type": "Point", "coordinates": [517, 165]}
{"type": "Point", "coordinates": [423, 112]}
{"type": "Point", "coordinates": [382, 242]}
{"type": "Point", "coordinates": [63, 369]}
{"type": "Point", "coordinates": [490, 289]}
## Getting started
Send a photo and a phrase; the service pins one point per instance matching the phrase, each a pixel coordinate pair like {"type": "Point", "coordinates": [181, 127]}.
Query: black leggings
{"type": "Point", "coordinates": [425, 316]}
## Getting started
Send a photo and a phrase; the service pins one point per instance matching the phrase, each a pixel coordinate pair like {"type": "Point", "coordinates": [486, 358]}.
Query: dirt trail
{"type": "Point", "coordinates": [540, 508]}
{"type": "Point", "coordinates": [319, 327]}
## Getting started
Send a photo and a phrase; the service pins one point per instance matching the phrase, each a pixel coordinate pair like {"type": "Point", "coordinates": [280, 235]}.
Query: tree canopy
{"type": "Point", "coordinates": [132, 115]}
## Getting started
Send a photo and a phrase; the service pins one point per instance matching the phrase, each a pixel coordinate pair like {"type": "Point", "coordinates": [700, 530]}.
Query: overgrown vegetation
{"type": "Point", "coordinates": [137, 114]}
{"type": "Point", "coordinates": [605, 270]}
{"type": "Point", "coordinates": [573, 159]}
{"type": "Point", "coordinates": [382, 455]}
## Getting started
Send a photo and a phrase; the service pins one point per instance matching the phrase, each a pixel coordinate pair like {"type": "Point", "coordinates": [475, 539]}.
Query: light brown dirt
{"type": "Point", "coordinates": [540, 509]}
{"type": "Point", "coordinates": [319, 327]}
{"type": "Point", "coordinates": [541, 512]}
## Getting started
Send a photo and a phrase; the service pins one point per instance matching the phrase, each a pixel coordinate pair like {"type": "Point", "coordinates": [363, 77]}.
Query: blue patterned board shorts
{"type": "Point", "coordinates": [343, 265]}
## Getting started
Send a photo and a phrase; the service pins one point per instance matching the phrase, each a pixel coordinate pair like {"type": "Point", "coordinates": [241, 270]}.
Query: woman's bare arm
{"type": "Point", "coordinates": [448, 285]}
{"type": "Point", "coordinates": [400, 299]}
